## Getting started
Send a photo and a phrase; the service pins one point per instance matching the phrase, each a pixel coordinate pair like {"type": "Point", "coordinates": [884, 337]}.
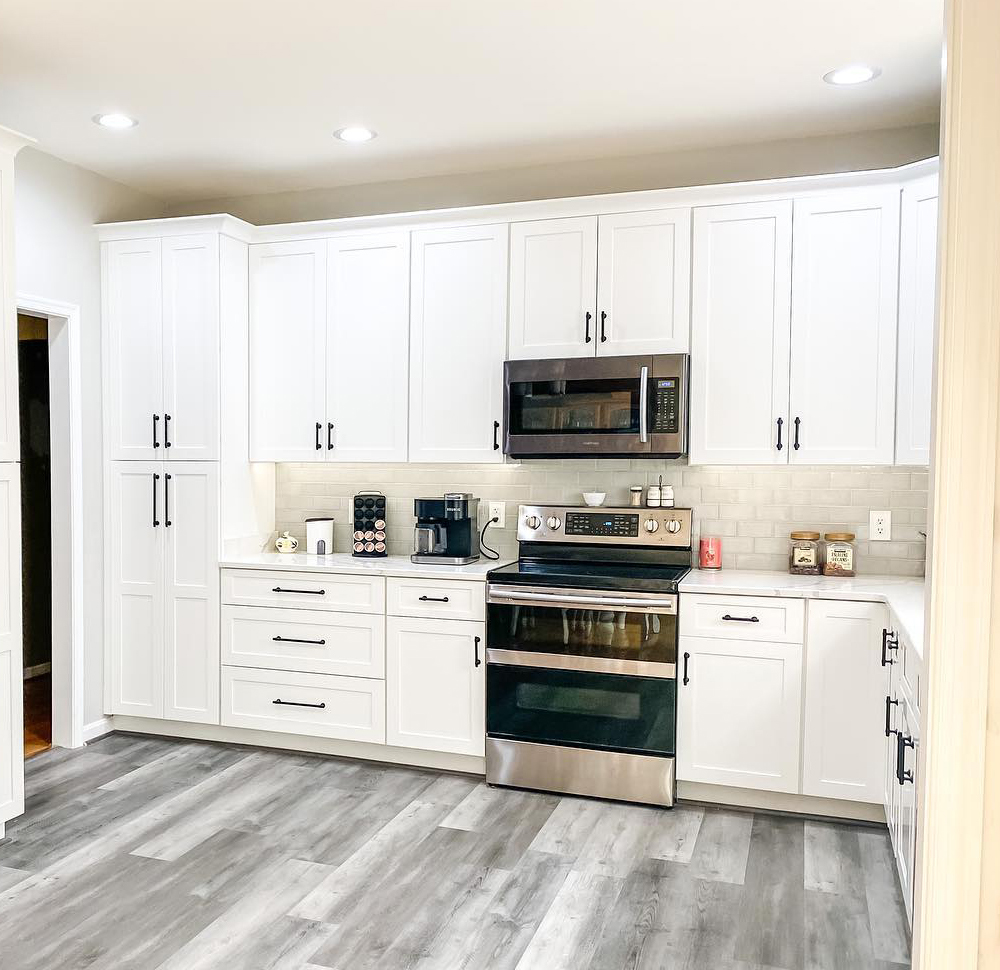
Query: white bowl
{"type": "Point", "coordinates": [595, 498]}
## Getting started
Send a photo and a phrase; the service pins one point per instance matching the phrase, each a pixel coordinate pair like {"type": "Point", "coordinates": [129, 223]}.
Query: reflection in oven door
{"type": "Point", "coordinates": [581, 708]}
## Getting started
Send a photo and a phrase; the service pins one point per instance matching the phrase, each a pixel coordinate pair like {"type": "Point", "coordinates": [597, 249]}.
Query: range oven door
{"type": "Point", "coordinates": [596, 406]}
{"type": "Point", "coordinates": [582, 669]}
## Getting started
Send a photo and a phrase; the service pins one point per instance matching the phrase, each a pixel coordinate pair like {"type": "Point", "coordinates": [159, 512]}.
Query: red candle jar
{"type": "Point", "coordinates": [710, 553]}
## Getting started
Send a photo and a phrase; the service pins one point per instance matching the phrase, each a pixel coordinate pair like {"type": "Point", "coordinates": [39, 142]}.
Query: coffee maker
{"type": "Point", "coordinates": [446, 529]}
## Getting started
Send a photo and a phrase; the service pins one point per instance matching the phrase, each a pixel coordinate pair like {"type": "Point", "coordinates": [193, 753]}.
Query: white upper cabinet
{"type": "Point", "coordinates": [288, 351]}
{"type": "Point", "coordinates": [742, 264]}
{"type": "Point", "coordinates": [845, 251]}
{"type": "Point", "coordinates": [457, 330]}
{"type": "Point", "coordinates": [133, 329]}
{"type": "Point", "coordinates": [553, 288]}
{"type": "Point", "coordinates": [643, 282]}
{"type": "Point", "coordinates": [11, 678]}
{"type": "Point", "coordinates": [368, 279]}
{"type": "Point", "coordinates": [917, 313]}
{"type": "Point", "coordinates": [191, 347]}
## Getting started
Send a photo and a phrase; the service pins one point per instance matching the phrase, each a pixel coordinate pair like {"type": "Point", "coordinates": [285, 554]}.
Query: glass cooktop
{"type": "Point", "coordinates": [644, 577]}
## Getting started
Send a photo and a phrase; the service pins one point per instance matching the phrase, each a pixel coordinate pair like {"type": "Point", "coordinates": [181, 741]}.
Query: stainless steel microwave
{"type": "Point", "coordinates": [582, 407]}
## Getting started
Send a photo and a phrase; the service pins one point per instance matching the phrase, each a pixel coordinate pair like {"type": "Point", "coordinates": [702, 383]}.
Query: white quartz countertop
{"type": "Point", "coordinates": [903, 595]}
{"type": "Point", "coordinates": [345, 563]}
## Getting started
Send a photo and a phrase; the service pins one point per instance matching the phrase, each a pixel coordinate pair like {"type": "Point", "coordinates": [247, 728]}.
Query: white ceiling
{"type": "Point", "coordinates": [241, 97]}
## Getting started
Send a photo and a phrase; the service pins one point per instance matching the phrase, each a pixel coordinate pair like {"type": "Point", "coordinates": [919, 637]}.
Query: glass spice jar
{"type": "Point", "coordinates": [839, 558]}
{"type": "Point", "coordinates": [803, 554]}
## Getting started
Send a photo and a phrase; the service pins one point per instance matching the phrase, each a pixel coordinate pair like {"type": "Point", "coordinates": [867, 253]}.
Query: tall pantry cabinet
{"type": "Point", "coordinates": [175, 332]}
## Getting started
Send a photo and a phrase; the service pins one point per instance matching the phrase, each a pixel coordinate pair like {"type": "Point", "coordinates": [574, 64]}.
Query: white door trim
{"type": "Point", "coordinates": [67, 652]}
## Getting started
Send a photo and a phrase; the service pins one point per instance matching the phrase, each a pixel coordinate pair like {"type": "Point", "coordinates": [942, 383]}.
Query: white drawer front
{"type": "Point", "coordinates": [911, 668]}
{"type": "Point", "coordinates": [316, 705]}
{"type": "Point", "coordinates": [448, 600]}
{"type": "Point", "coordinates": [765, 618]}
{"type": "Point", "coordinates": [311, 591]}
{"type": "Point", "coordinates": [351, 644]}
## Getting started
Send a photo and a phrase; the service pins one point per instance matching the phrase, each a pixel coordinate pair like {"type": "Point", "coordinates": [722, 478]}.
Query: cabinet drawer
{"type": "Point", "coordinates": [910, 669]}
{"type": "Point", "coordinates": [448, 600]}
{"type": "Point", "coordinates": [316, 705]}
{"type": "Point", "coordinates": [764, 618]}
{"type": "Point", "coordinates": [311, 591]}
{"type": "Point", "coordinates": [351, 644]}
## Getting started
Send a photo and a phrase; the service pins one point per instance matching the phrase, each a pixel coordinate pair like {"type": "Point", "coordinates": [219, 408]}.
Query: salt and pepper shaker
{"type": "Point", "coordinates": [653, 496]}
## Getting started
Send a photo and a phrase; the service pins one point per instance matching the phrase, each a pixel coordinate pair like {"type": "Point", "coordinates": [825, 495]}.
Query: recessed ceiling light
{"type": "Point", "coordinates": [852, 74]}
{"type": "Point", "coordinates": [116, 120]}
{"type": "Point", "coordinates": [354, 133]}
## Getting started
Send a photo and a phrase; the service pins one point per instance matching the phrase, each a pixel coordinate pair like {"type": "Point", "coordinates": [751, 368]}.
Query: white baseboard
{"type": "Point", "coordinates": [97, 729]}
{"type": "Point", "coordinates": [39, 670]}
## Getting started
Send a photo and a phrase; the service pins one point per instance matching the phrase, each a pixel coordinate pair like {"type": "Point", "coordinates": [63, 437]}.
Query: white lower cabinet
{"type": "Point", "coordinates": [844, 701]}
{"type": "Point", "coordinates": [738, 713]}
{"type": "Point", "coordinates": [436, 684]}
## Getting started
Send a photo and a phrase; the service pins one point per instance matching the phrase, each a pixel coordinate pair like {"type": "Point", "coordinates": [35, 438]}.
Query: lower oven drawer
{"type": "Point", "coordinates": [581, 709]}
{"type": "Point", "coordinates": [315, 705]}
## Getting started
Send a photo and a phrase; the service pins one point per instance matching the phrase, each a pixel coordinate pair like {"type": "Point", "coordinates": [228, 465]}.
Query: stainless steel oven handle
{"type": "Point", "coordinates": [570, 601]}
{"type": "Point", "coordinates": [597, 665]}
{"type": "Point", "coordinates": [643, 404]}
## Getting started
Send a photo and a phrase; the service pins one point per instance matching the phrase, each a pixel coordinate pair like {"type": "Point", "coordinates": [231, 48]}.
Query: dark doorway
{"type": "Point", "coordinates": [36, 530]}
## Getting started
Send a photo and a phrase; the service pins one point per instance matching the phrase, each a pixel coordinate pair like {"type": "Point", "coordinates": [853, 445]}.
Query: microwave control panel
{"type": "Point", "coordinates": [666, 405]}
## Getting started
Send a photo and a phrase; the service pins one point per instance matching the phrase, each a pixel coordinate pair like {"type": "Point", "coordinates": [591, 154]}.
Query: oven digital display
{"type": "Point", "coordinates": [598, 524]}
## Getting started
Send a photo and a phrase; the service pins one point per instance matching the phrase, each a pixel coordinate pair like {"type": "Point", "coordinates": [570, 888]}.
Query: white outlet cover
{"type": "Point", "coordinates": [498, 511]}
{"type": "Point", "coordinates": [879, 526]}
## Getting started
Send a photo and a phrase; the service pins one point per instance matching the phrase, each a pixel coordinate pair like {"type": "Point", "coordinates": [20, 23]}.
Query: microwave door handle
{"type": "Point", "coordinates": [643, 404]}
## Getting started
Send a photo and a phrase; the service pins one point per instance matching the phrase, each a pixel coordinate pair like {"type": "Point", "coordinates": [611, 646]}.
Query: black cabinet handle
{"type": "Point", "coordinates": [329, 436]}
{"type": "Point", "coordinates": [686, 679]}
{"type": "Point", "coordinates": [278, 700]}
{"type": "Point", "coordinates": [156, 521]}
{"type": "Point", "coordinates": [604, 318]}
{"type": "Point", "coordinates": [318, 643]}
{"type": "Point", "coordinates": [903, 742]}
{"type": "Point", "coordinates": [586, 329]}
{"type": "Point", "coordinates": [166, 500]}
{"type": "Point", "coordinates": [741, 619]}
{"type": "Point", "coordinates": [319, 428]}
{"type": "Point", "coordinates": [496, 435]}
{"type": "Point", "coordinates": [433, 599]}
{"type": "Point", "coordinates": [889, 702]}
{"type": "Point", "coordinates": [475, 647]}
{"type": "Point", "coordinates": [780, 423]}
{"type": "Point", "coordinates": [311, 592]}
{"type": "Point", "coordinates": [889, 642]}
{"type": "Point", "coordinates": [156, 425]}
{"type": "Point", "coordinates": [166, 431]}
{"type": "Point", "coordinates": [795, 444]}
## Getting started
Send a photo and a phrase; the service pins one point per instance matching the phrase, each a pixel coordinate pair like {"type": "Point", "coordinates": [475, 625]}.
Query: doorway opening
{"type": "Point", "coordinates": [36, 529]}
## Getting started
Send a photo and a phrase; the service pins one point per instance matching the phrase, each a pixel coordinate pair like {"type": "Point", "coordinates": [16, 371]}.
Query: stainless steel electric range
{"type": "Point", "coordinates": [581, 675]}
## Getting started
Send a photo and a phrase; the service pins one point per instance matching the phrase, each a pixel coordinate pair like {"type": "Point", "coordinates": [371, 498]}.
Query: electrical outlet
{"type": "Point", "coordinates": [879, 526]}
{"type": "Point", "coordinates": [498, 511]}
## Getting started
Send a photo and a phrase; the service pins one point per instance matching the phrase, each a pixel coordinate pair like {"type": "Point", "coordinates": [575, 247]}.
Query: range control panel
{"type": "Point", "coordinates": [622, 526]}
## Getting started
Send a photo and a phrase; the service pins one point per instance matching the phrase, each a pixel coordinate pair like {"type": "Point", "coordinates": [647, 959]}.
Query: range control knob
{"type": "Point", "coordinates": [674, 526]}
{"type": "Point", "coordinates": [650, 525]}
{"type": "Point", "coordinates": [532, 521]}
{"type": "Point", "coordinates": [553, 522]}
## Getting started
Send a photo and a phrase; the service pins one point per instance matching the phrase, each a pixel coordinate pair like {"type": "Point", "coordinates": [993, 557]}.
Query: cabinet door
{"type": "Point", "coordinates": [134, 576]}
{"type": "Point", "coordinates": [843, 751]}
{"type": "Point", "coordinates": [553, 288]}
{"type": "Point", "coordinates": [644, 282]}
{"type": "Point", "coordinates": [844, 271]}
{"type": "Point", "coordinates": [287, 351]}
{"type": "Point", "coordinates": [906, 846]}
{"type": "Point", "coordinates": [191, 592]}
{"type": "Point", "coordinates": [741, 300]}
{"type": "Point", "coordinates": [917, 313]}
{"type": "Point", "coordinates": [738, 715]}
{"type": "Point", "coordinates": [436, 685]}
{"type": "Point", "coordinates": [191, 347]}
{"type": "Point", "coordinates": [133, 334]}
{"type": "Point", "coordinates": [457, 344]}
{"type": "Point", "coordinates": [893, 717]}
{"type": "Point", "coordinates": [11, 691]}
{"type": "Point", "coordinates": [367, 348]}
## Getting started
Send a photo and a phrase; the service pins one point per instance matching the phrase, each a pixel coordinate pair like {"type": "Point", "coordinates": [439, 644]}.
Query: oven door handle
{"type": "Point", "coordinates": [570, 601]}
{"type": "Point", "coordinates": [643, 404]}
{"type": "Point", "coordinates": [596, 665]}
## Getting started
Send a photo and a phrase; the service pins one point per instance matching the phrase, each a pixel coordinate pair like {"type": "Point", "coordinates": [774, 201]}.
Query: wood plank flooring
{"type": "Point", "coordinates": [154, 854]}
{"type": "Point", "coordinates": [37, 715]}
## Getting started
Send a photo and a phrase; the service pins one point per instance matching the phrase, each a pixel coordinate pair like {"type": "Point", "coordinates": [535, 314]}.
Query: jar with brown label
{"type": "Point", "coordinates": [803, 554]}
{"type": "Point", "coordinates": [839, 558]}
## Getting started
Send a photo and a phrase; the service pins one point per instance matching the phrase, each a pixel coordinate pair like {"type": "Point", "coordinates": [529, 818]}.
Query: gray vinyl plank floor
{"type": "Point", "coordinates": [157, 854]}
